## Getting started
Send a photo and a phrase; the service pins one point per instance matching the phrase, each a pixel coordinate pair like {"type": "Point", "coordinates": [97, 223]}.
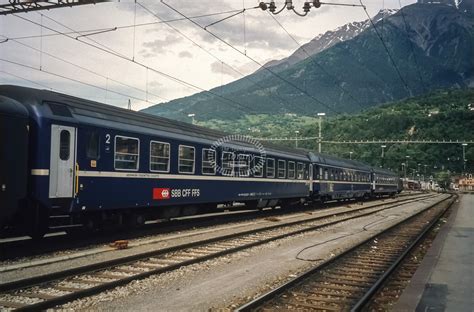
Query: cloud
{"type": "Point", "coordinates": [220, 68]}
{"type": "Point", "coordinates": [184, 54]}
{"type": "Point", "coordinates": [159, 46]}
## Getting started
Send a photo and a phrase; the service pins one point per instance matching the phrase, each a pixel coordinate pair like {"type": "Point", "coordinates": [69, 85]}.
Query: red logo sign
{"type": "Point", "coordinates": [161, 193]}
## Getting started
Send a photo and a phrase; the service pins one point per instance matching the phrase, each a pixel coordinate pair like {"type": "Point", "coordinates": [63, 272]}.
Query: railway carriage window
{"type": "Point", "coordinates": [291, 170]}
{"type": "Point", "coordinates": [270, 168]}
{"type": "Point", "coordinates": [227, 163]}
{"type": "Point", "coordinates": [208, 161]}
{"type": "Point", "coordinates": [242, 165]}
{"type": "Point", "coordinates": [126, 153]}
{"type": "Point", "coordinates": [93, 145]}
{"type": "Point", "coordinates": [300, 174]}
{"type": "Point", "coordinates": [258, 164]}
{"type": "Point", "coordinates": [326, 177]}
{"type": "Point", "coordinates": [159, 156]}
{"type": "Point", "coordinates": [186, 159]}
{"type": "Point", "coordinates": [64, 144]}
{"type": "Point", "coordinates": [281, 169]}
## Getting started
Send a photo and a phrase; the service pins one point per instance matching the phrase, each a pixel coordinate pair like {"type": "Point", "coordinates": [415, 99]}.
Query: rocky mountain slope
{"type": "Point", "coordinates": [327, 40]}
{"type": "Point", "coordinates": [432, 50]}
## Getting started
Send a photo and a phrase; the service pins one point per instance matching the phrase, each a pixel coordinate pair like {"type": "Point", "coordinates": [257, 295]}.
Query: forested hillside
{"type": "Point", "coordinates": [444, 115]}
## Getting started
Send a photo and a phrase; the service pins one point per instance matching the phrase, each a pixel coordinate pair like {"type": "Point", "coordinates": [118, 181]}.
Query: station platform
{"type": "Point", "coordinates": [445, 281]}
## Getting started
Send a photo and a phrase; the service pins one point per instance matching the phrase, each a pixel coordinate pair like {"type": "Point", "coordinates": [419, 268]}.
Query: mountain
{"type": "Point", "coordinates": [327, 40]}
{"type": "Point", "coordinates": [441, 115]}
{"type": "Point", "coordinates": [433, 50]}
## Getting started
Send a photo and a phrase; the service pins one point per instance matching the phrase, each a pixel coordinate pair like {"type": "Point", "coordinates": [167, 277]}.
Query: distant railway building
{"type": "Point", "coordinates": [466, 184]}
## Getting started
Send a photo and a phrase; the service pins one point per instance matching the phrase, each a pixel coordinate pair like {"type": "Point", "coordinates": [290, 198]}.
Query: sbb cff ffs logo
{"type": "Point", "coordinates": [167, 193]}
{"type": "Point", "coordinates": [161, 193]}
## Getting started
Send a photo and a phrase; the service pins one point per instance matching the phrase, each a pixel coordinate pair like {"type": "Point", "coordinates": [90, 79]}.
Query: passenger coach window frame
{"type": "Point", "coordinates": [93, 148]}
{"type": "Point", "coordinates": [206, 163]}
{"type": "Point", "coordinates": [180, 158]}
{"type": "Point", "coordinates": [300, 171]}
{"type": "Point", "coordinates": [272, 160]}
{"type": "Point", "coordinates": [281, 176]}
{"type": "Point", "coordinates": [258, 174]}
{"type": "Point", "coordinates": [169, 157]}
{"type": "Point", "coordinates": [64, 145]}
{"type": "Point", "coordinates": [137, 155]}
{"type": "Point", "coordinates": [291, 172]}
{"type": "Point", "coordinates": [246, 158]}
{"type": "Point", "coordinates": [229, 164]}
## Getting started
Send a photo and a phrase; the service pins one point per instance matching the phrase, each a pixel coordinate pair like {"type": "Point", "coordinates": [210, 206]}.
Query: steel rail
{"type": "Point", "coordinates": [381, 281]}
{"type": "Point", "coordinates": [259, 301]}
{"type": "Point", "coordinates": [57, 276]}
{"type": "Point", "coordinates": [27, 282]}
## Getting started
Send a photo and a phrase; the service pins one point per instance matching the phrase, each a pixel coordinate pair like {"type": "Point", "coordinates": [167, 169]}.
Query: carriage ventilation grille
{"type": "Point", "coordinates": [60, 109]}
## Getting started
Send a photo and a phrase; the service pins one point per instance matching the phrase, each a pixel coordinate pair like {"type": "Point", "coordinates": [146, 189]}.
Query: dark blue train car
{"type": "Point", "coordinates": [14, 131]}
{"type": "Point", "coordinates": [85, 163]}
{"type": "Point", "coordinates": [335, 178]}
{"type": "Point", "coordinates": [385, 182]}
{"type": "Point", "coordinates": [67, 162]}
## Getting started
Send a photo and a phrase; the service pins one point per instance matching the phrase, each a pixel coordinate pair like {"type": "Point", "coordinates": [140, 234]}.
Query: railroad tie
{"type": "Point", "coordinates": [12, 304]}
{"type": "Point", "coordinates": [37, 295]}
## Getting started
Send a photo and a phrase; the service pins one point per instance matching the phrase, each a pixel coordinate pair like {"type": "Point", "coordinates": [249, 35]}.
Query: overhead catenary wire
{"type": "Point", "coordinates": [87, 36]}
{"type": "Point", "coordinates": [313, 61]}
{"type": "Point", "coordinates": [168, 76]}
{"type": "Point", "coordinates": [254, 60]}
{"type": "Point", "coordinates": [92, 31]}
{"type": "Point", "coordinates": [112, 51]}
{"type": "Point", "coordinates": [26, 79]}
{"type": "Point", "coordinates": [247, 77]}
{"type": "Point", "coordinates": [200, 47]}
{"type": "Point", "coordinates": [394, 64]}
{"type": "Point", "coordinates": [84, 68]}
{"type": "Point", "coordinates": [134, 28]}
{"type": "Point", "coordinates": [70, 79]}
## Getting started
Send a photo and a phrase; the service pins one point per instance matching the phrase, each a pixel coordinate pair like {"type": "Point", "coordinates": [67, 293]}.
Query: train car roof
{"type": "Point", "coordinates": [87, 110]}
{"type": "Point", "coordinates": [338, 162]}
{"type": "Point", "coordinates": [383, 171]}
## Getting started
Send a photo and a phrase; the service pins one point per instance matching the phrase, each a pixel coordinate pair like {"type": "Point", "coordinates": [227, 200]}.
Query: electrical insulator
{"type": "Point", "coordinates": [317, 4]}
{"type": "Point", "coordinates": [272, 7]}
{"type": "Point", "coordinates": [263, 6]}
{"type": "Point", "coordinates": [306, 7]}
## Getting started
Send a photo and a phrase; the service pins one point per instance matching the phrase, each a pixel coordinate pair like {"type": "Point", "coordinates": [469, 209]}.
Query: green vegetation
{"type": "Point", "coordinates": [444, 115]}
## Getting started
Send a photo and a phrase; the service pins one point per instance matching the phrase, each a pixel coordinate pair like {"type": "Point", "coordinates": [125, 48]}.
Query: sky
{"type": "Point", "coordinates": [96, 52]}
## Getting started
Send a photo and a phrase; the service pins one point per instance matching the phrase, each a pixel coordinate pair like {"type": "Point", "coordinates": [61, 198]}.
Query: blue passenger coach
{"type": "Point", "coordinates": [68, 162]}
{"type": "Point", "coordinates": [94, 164]}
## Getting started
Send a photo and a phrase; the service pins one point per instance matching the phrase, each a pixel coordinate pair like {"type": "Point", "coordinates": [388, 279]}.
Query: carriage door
{"type": "Point", "coordinates": [311, 177]}
{"type": "Point", "coordinates": [63, 157]}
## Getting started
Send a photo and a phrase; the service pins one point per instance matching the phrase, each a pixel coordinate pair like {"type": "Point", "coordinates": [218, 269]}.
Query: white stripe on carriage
{"type": "Point", "coordinates": [135, 175]}
{"type": "Point", "coordinates": [40, 172]}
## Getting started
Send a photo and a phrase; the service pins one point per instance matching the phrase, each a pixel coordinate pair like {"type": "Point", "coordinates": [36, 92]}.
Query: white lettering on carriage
{"type": "Point", "coordinates": [184, 193]}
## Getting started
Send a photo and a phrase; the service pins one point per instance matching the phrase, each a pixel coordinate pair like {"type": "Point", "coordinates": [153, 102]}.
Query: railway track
{"type": "Point", "coordinates": [15, 247]}
{"type": "Point", "coordinates": [349, 281]}
{"type": "Point", "coordinates": [54, 289]}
